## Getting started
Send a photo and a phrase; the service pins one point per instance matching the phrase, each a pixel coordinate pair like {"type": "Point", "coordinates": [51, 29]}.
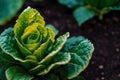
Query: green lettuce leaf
{"type": "Point", "coordinates": [8, 9]}
{"type": "Point", "coordinates": [10, 48]}
{"type": "Point", "coordinates": [25, 27]}
{"type": "Point", "coordinates": [5, 60]}
{"type": "Point", "coordinates": [8, 44]}
{"type": "Point", "coordinates": [84, 10]}
{"type": "Point", "coordinates": [81, 50]}
{"type": "Point", "coordinates": [59, 59]}
{"type": "Point", "coordinates": [54, 58]}
{"type": "Point", "coordinates": [83, 14]}
{"type": "Point", "coordinates": [56, 48]}
{"type": "Point", "coordinates": [17, 73]}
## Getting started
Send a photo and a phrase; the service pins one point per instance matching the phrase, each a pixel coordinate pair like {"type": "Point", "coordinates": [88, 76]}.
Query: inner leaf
{"type": "Point", "coordinates": [31, 37]}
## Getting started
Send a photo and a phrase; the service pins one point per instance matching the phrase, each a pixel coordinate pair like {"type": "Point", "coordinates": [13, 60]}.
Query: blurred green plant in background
{"type": "Point", "coordinates": [87, 9]}
{"type": "Point", "coordinates": [8, 9]}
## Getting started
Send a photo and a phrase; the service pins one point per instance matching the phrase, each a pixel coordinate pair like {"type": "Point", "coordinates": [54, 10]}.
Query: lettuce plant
{"type": "Point", "coordinates": [8, 9]}
{"type": "Point", "coordinates": [87, 9]}
{"type": "Point", "coordinates": [30, 51]}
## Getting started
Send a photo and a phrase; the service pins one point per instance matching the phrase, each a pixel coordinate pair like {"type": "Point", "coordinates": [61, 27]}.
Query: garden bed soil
{"type": "Point", "coordinates": [105, 35]}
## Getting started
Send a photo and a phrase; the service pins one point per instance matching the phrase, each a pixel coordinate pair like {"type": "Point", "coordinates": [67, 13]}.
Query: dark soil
{"type": "Point", "coordinates": [105, 35]}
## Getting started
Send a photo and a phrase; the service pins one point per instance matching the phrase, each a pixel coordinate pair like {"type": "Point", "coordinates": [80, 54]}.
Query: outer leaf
{"type": "Point", "coordinates": [56, 48]}
{"type": "Point", "coordinates": [5, 60]}
{"type": "Point", "coordinates": [9, 47]}
{"type": "Point", "coordinates": [59, 59]}
{"type": "Point", "coordinates": [8, 44]}
{"type": "Point", "coordinates": [8, 9]}
{"type": "Point", "coordinates": [72, 3]}
{"type": "Point", "coordinates": [17, 73]}
{"type": "Point", "coordinates": [81, 51]}
{"type": "Point", "coordinates": [48, 63]}
{"type": "Point", "coordinates": [82, 14]}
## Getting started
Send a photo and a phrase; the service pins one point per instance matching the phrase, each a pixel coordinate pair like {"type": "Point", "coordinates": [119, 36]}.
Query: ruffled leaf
{"type": "Point", "coordinates": [8, 9]}
{"type": "Point", "coordinates": [5, 60]}
{"type": "Point", "coordinates": [59, 59]}
{"type": "Point", "coordinates": [28, 17]}
{"type": "Point", "coordinates": [81, 50]}
{"type": "Point", "coordinates": [40, 52]}
{"type": "Point", "coordinates": [47, 63]}
{"type": "Point", "coordinates": [31, 38]}
{"type": "Point", "coordinates": [9, 47]}
{"type": "Point", "coordinates": [8, 44]}
{"type": "Point", "coordinates": [17, 73]}
{"type": "Point", "coordinates": [56, 48]}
